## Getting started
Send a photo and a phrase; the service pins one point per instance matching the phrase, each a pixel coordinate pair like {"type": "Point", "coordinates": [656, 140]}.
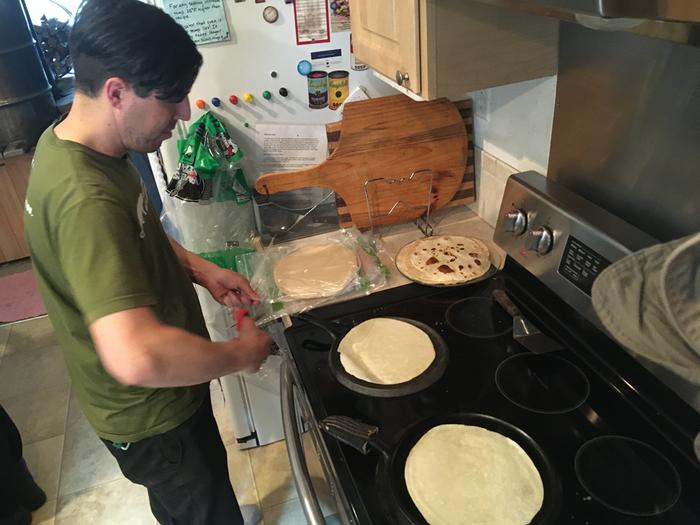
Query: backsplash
{"type": "Point", "coordinates": [512, 133]}
{"type": "Point", "coordinates": [491, 177]}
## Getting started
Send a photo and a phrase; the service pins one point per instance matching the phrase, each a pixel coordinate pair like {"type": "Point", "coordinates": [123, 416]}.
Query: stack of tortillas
{"type": "Point", "coordinates": [386, 351]}
{"type": "Point", "coordinates": [461, 475]}
{"type": "Point", "coordinates": [319, 270]}
{"type": "Point", "coordinates": [444, 260]}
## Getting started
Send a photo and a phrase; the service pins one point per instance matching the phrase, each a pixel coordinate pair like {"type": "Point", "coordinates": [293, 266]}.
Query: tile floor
{"type": "Point", "coordinates": [81, 479]}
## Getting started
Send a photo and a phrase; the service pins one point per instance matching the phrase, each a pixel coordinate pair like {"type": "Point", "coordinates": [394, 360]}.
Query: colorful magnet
{"type": "Point", "coordinates": [200, 103]}
{"type": "Point", "coordinates": [233, 99]}
{"type": "Point", "coordinates": [248, 97]}
{"type": "Point", "coordinates": [216, 102]}
{"type": "Point", "coordinates": [283, 92]}
{"type": "Point", "coordinates": [304, 67]}
{"type": "Point", "coordinates": [266, 95]}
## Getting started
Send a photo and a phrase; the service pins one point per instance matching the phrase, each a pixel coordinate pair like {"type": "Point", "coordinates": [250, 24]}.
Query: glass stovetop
{"type": "Point", "coordinates": [614, 466]}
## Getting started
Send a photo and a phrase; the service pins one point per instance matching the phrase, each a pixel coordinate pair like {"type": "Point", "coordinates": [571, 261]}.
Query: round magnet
{"type": "Point", "coordinates": [270, 14]}
{"type": "Point", "coordinates": [266, 95]}
{"type": "Point", "coordinates": [304, 67]}
{"type": "Point", "coordinates": [200, 103]}
{"type": "Point", "coordinates": [216, 101]}
{"type": "Point", "coordinates": [248, 97]}
{"type": "Point", "coordinates": [283, 92]}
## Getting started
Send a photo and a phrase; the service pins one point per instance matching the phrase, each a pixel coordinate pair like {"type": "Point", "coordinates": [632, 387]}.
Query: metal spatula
{"type": "Point", "coordinates": [524, 332]}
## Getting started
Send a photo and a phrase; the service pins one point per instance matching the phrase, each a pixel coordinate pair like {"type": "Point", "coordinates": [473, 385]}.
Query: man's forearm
{"type": "Point", "coordinates": [193, 264]}
{"type": "Point", "coordinates": [174, 357]}
{"type": "Point", "coordinates": [137, 349]}
{"type": "Point", "coordinates": [157, 355]}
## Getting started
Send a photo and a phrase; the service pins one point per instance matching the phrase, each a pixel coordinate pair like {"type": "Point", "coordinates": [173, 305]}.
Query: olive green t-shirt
{"type": "Point", "coordinates": [98, 248]}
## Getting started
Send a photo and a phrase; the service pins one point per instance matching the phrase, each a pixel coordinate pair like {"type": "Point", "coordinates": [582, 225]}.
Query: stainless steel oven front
{"type": "Point", "coordinates": [316, 481]}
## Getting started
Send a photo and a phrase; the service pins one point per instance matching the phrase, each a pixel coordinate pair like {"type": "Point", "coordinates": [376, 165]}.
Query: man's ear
{"type": "Point", "coordinates": [115, 90]}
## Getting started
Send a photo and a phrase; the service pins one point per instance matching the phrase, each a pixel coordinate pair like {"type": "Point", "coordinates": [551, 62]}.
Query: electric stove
{"type": "Point", "coordinates": [619, 440]}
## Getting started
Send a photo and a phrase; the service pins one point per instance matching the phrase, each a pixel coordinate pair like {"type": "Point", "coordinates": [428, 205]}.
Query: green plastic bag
{"type": "Point", "coordinates": [209, 165]}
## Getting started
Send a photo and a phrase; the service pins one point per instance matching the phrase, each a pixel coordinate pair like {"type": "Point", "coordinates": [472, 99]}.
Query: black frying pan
{"type": "Point", "coordinates": [393, 493]}
{"type": "Point", "coordinates": [423, 381]}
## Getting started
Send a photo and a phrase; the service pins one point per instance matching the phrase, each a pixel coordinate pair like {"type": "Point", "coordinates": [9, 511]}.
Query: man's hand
{"type": "Point", "coordinates": [227, 287]}
{"type": "Point", "coordinates": [255, 345]}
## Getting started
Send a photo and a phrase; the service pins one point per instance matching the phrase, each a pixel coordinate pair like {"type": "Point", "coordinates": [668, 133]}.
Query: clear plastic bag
{"type": "Point", "coordinates": [370, 275]}
{"type": "Point", "coordinates": [207, 204]}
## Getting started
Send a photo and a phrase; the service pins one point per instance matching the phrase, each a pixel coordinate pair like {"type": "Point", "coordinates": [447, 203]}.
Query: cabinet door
{"type": "Point", "coordinates": [385, 36]}
{"type": "Point", "coordinates": [14, 177]}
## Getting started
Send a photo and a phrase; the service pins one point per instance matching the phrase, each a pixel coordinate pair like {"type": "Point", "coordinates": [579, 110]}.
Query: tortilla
{"type": "Point", "coordinates": [461, 474]}
{"type": "Point", "coordinates": [386, 351]}
{"type": "Point", "coordinates": [313, 271]}
{"type": "Point", "coordinates": [444, 260]}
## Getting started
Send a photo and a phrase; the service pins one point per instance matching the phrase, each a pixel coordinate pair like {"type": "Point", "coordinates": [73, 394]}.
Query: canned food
{"type": "Point", "coordinates": [338, 88]}
{"type": "Point", "coordinates": [318, 89]}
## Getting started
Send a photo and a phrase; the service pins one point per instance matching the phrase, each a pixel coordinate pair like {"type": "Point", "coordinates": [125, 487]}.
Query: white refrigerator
{"type": "Point", "coordinates": [258, 56]}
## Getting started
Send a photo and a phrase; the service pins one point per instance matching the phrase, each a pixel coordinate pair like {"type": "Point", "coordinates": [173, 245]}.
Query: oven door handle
{"type": "Point", "coordinates": [295, 449]}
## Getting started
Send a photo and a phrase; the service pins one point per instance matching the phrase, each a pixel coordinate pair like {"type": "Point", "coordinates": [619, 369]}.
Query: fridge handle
{"type": "Point", "coordinates": [295, 450]}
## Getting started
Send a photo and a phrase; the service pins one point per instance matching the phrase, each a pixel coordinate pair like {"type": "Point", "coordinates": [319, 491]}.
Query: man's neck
{"type": "Point", "coordinates": [89, 124]}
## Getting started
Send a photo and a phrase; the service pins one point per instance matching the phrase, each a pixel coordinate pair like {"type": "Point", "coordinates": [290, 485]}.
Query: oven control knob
{"type": "Point", "coordinates": [540, 240]}
{"type": "Point", "coordinates": [516, 222]}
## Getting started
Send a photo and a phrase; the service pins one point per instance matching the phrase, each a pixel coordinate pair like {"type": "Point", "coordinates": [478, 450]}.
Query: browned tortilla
{"type": "Point", "coordinates": [444, 260]}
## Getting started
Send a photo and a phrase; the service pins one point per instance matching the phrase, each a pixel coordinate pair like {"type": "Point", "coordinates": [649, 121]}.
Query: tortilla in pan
{"type": "Point", "coordinates": [462, 474]}
{"type": "Point", "coordinates": [386, 351]}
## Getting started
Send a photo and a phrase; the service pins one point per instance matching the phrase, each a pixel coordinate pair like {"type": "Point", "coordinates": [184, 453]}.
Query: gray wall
{"type": "Point", "coordinates": [626, 131]}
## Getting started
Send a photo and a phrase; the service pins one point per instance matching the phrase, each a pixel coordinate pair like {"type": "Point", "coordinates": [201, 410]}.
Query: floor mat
{"type": "Point", "coordinates": [19, 297]}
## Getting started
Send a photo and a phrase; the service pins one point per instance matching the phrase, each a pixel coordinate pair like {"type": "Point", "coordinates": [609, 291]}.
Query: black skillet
{"type": "Point", "coordinates": [392, 491]}
{"type": "Point", "coordinates": [421, 382]}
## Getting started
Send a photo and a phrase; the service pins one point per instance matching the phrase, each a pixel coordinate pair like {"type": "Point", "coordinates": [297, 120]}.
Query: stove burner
{"type": "Point", "coordinates": [478, 317]}
{"type": "Point", "coordinates": [627, 475]}
{"type": "Point", "coordinates": [540, 383]}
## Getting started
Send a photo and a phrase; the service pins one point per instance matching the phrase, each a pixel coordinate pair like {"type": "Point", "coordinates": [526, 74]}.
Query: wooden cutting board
{"type": "Point", "coordinates": [387, 138]}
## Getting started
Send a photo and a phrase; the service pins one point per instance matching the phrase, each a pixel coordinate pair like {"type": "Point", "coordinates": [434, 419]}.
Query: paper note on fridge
{"type": "Point", "coordinates": [291, 147]}
{"type": "Point", "coordinates": [204, 20]}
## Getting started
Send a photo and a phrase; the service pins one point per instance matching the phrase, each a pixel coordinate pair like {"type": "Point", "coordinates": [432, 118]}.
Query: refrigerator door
{"type": "Point", "coordinates": [262, 57]}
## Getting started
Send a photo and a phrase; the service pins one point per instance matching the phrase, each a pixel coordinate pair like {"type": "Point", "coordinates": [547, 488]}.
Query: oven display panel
{"type": "Point", "coordinates": [581, 265]}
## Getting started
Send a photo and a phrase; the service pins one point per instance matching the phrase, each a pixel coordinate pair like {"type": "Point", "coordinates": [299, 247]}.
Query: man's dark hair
{"type": "Point", "coordinates": [134, 41]}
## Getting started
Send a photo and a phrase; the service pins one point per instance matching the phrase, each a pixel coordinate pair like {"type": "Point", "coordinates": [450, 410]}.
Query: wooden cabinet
{"type": "Point", "coordinates": [14, 178]}
{"type": "Point", "coordinates": [445, 48]}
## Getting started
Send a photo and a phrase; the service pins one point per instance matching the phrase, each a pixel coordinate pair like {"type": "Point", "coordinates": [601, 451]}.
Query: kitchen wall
{"type": "Point", "coordinates": [512, 133]}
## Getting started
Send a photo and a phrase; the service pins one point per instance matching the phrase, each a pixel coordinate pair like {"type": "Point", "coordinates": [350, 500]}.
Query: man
{"type": "Point", "coordinates": [119, 291]}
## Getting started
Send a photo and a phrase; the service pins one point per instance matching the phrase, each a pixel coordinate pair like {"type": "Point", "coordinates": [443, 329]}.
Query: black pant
{"type": "Point", "coordinates": [185, 472]}
{"type": "Point", "coordinates": [10, 455]}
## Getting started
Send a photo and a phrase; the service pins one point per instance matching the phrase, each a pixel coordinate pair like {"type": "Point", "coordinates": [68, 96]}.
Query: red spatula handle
{"type": "Point", "coordinates": [240, 314]}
